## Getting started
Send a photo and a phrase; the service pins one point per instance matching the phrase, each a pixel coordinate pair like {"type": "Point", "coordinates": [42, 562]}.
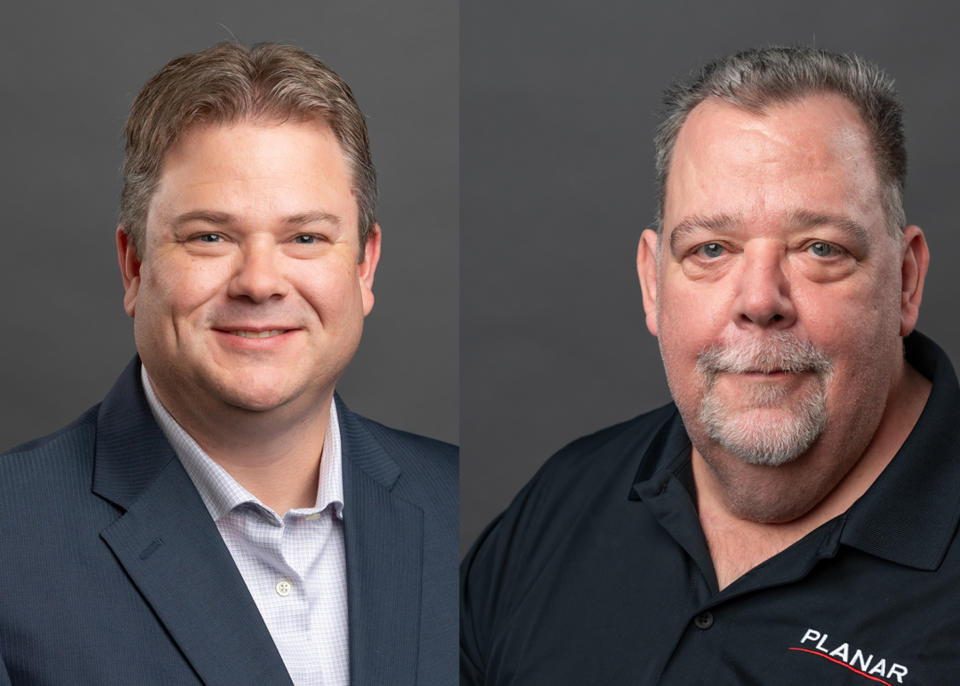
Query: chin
{"type": "Point", "coordinates": [767, 443]}
{"type": "Point", "coordinates": [257, 397]}
{"type": "Point", "coordinates": [767, 436]}
{"type": "Point", "coordinates": [771, 507]}
{"type": "Point", "coordinates": [264, 388]}
{"type": "Point", "coordinates": [257, 405]}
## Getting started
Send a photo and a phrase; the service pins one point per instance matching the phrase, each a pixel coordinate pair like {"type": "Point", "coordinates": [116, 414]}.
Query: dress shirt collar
{"type": "Point", "coordinates": [220, 492]}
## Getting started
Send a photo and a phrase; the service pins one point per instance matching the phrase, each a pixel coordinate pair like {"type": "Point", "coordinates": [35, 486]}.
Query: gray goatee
{"type": "Point", "coordinates": [779, 440]}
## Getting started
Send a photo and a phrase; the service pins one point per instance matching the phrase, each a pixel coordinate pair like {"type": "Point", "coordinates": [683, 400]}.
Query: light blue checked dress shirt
{"type": "Point", "coordinates": [294, 566]}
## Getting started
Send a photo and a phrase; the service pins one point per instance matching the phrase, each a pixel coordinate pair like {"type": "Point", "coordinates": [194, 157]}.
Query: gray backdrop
{"type": "Point", "coordinates": [557, 105]}
{"type": "Point", "coordinates": [558, 108]}
{"type": "Point", "coordinates": [68, 73]}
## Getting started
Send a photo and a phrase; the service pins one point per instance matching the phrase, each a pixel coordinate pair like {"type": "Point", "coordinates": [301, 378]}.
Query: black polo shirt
{"type": "Point", "coordinates": [599, 573]}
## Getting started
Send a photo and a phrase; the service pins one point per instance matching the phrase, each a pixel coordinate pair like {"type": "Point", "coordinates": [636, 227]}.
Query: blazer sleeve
{"type": "Point", "coordinates": [4, 677]}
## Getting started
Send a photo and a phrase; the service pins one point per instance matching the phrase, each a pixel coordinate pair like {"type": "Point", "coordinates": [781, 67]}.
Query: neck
{"type": "Point", "coordinates": [274, 454]}
{"type": "Point", "coordinates": [741, 506]}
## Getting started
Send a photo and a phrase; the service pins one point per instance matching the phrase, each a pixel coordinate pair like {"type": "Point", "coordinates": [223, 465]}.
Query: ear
{"type": "Point", "coordinates": [367, 268]}
{"type": "Point", "coordinates": [647, 271]}
{"type": "Point", "coordinates": [129, 269]}
{"type": "Point", "coordinates": [913, 271]}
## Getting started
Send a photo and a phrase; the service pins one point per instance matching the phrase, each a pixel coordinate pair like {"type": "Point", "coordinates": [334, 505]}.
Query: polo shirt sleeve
{"type": "Point", "coordinates": [476, 574]}
{"type": "Point", "coordinates": [501, 567]}
{"type": "Point", "coordinates": [508, 560]}
{"type": "Point", "coordinates": [490, 580]}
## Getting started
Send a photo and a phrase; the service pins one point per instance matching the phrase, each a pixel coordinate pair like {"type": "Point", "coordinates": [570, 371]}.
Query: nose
{"type": "Point", "coordinates": [257, 276]}
{"type": "Point", "coordinates": [763, 290]}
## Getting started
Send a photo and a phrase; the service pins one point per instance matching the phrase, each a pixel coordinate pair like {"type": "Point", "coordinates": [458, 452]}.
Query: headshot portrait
{"type": "Point", "coordinates": [724, 306]}
{"type": "Point", "coordinates": [224, 464]}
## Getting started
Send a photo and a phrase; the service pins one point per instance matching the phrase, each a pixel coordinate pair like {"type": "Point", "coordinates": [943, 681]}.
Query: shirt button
{"type": "Point", "coordinates": [704, 620]}
{"type": "Point", "coordinates": [284, 587]}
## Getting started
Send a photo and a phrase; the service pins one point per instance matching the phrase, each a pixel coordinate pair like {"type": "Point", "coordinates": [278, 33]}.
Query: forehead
{"type": "Point", "coordinates": [812, 154]}
{"type": "Point", "coordinates": [256, 168]}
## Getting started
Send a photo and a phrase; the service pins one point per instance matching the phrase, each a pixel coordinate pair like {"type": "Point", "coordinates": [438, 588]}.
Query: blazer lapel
{"type": "Point", "coordinates": [171, 549]}
{"type": "Point", "coordinates": [384, 545]}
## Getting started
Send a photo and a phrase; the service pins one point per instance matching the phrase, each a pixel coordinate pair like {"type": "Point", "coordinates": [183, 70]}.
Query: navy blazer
{"type": "Point", "coordinates": [113, 572]}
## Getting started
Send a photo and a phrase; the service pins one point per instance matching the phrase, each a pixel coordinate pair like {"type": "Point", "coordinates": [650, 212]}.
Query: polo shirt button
{"type": "Point", "coordinates": [704, 620]}
{"type": "Point", "coordinates": [284, 587]}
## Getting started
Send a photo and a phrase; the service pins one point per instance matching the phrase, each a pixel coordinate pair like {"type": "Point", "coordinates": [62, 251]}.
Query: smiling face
{"type": "Point", "coordinates": [776, 288]}
{"type": "Point", "coordinates": [250, 294]}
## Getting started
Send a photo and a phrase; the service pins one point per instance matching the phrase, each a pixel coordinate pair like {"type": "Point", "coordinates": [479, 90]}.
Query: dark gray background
{"type": "Point", "coordinates": [68, 73]}
{"type": "Point", "coordinates": [558, 108]}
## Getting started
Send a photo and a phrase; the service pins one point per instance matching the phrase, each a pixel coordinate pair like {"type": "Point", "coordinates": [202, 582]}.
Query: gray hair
{"type": "Point", "coordinates": [754, 79]}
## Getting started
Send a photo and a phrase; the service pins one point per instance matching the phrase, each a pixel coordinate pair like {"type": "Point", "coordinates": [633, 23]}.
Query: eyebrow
{"type": "Point", "coordinates": [314, 217]}
{"type": "Point", "coordinates": [222, 218]}
{"type": "Point", "coordinates": [719, 223]}
{"type": "Point", "coordinates": [207, 216]}
{"type": "Point", "coordinates": [803, 219]}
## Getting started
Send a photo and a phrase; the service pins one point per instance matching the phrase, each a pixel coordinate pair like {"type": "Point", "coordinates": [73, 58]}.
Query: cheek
{"type": "Point", "coordinates": [690, 317]}
{"type": "Point", "coordinates": [684, 331]}
{"type": "Point", "coordinates": [859, 331]}
{"type": "Point", "coordinates": [179, 289]}
{"type": "Point", "coordinates": [330, 289]}
{"type": "Point", "coordinates": [852, 318]}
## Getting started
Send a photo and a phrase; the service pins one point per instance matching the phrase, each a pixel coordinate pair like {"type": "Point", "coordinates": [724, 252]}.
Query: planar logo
{"type": "Point", "coordinates": [868, 665]}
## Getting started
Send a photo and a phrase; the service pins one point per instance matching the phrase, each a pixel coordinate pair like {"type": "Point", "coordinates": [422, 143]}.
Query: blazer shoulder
{"type": "Point", "coordinates": [413, 450]}
{"type": "Point", "coordinates": [39, 478]}
{"type": "Point", "coordinates": [420, 470]}
{"type": "Point", "coordinates": [77, 438]}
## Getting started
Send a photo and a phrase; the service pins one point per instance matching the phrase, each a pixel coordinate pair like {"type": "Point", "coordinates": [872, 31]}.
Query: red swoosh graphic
{"type": "Point", "coordinates": [833, 659]}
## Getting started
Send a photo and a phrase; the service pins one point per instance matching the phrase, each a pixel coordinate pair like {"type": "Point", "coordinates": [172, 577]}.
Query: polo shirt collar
{"type": "Point", "coordinates": [910, 513]}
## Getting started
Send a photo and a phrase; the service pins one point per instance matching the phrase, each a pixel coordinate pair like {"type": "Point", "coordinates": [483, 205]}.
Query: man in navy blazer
{"type": "Point", "coordinates": [222, 517]}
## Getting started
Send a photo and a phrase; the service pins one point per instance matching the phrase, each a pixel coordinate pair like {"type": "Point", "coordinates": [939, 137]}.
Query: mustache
{"type": "Point", "coordinates": [778, 352]}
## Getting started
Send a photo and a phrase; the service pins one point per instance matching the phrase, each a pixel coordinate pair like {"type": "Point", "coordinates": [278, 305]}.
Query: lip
{"type": "Point", "coordinates": [759, 374]}
{"type": "Point", "coordinates": [776, 377]}
{"type": "Point", "coordinates": [240, 326]}
{"type": "Point", "coordinates": [261, 337]}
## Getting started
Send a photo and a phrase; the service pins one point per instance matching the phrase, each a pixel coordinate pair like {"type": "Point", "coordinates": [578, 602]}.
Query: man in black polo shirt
{"type": "Point", "coordinates": [791, 519]}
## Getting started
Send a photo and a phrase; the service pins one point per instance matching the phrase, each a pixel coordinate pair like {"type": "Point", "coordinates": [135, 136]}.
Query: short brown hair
{"type": "Point", "coordinates": [229, 82]}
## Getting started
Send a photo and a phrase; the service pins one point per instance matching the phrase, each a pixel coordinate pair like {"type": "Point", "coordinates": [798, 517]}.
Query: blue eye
{"type": "Point", "coordinates": [210, 238]}
{"type": "Point", "coordinates": [821, 249]}
{"type": "Point", "coordinates": [710, 250]}
{"type": "Point", "coordinates": [305, 239]}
